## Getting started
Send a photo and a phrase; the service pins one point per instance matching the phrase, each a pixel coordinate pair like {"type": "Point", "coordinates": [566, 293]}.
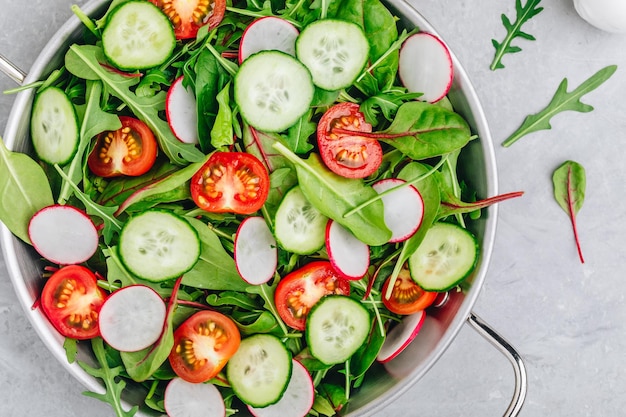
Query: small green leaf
{"type": "Point", "coordinates": [569, 191]}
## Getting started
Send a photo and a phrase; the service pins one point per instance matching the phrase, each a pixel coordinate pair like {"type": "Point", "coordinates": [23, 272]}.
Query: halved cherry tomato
{"type": "Point", "coordinates": [299, 290]}
{"type": "Point", "coordinates": [406, 297]}
{"type": "Point", "coordinates": [231, 182]}
{"type": "Point", "coordinates": [202, 345]}
{"type": "Point", "coordinates": [348, 155]}
{"type": "Point", "coordinates": [130, 150]}
{"type": "Point", "coordinates": [71, 299]}
{"type": "Point", "coordinates": [187, 16]}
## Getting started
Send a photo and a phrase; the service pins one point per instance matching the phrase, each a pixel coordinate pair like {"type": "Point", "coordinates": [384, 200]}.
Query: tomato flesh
{"type": "Point", "coordinates": [406, 297]}
{"type": "Point", "coordinates": [130, 150]}
{"type": "Point", "coordinates": [71, 300]}
{"type": "Point", "coordinates": [346, 154]}
{"type": "Point", "coordinates": [203, 344]}
{"type": "Point", "coordinates": [187, 16]}
{"type": "Point", "coordinates": [231, 182]}
{"type": "Point", "coordinates": [299, 290]}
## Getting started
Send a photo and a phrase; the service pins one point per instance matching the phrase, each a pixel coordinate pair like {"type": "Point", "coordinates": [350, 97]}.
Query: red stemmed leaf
{"type": "Point", "coordinates": [569, 190]}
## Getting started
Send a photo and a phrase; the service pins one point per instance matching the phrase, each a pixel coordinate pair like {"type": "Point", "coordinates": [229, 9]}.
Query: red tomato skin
{"type": "Point", "coordinates": [73, 292]}
{"type": "Point", "coordinates": [351, 156]}
{"type": "Point", "coordinates": [299, 290]}
{"type": "Point", "coordinates": [407, 297]}
{"type": "Point", "coordinates": [187, 28]}
{"type": "Point", "coordinates": [111, 156]}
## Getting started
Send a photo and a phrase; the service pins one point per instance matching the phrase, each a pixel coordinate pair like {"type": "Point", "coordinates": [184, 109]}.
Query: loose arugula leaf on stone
{"type": "Point", "coordinates": [561, 101]}
{"type": "Point", "coordinates": [569, 191]}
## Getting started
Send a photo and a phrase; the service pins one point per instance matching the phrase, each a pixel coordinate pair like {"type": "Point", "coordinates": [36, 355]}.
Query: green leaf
{"type": "Point", "coordinates": [514, 30]}
{"type": "Point", "coordinates": [570, 182]}
{"type": "Point", "coordinates": [222, 131]}
{"type": "Point", "coordinates": [297, 137]}
{"type": "Point", "coordinates": [561, 101]}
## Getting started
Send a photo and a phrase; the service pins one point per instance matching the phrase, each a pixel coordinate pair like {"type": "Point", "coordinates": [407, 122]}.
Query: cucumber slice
{"type": "Point", "coordinates": [335, 51]}
{"type": "Point", "coordinates": [138, 35]}
{"type": "Point", "coordinates": [260, 370]}
{"type": "Point", "coordinates": [158, 245]}
{"type": "Point", "coordinates": [446, 256]}
{"type": "Point", "coordinates": [336, 327]}
{"type": "Point", "coordinates": [299, 227]}
{"type": "Point", "coordinates": [54, 126]}
{"type": "Point", "coordinates": [273, 90]}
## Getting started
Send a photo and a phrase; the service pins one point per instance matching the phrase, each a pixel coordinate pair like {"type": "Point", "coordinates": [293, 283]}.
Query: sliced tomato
{"type": "Point", "coordinates": [231, 182]}
{"type": "Point", "coordinates": [187, 16]}
{"type": "Point", "coordinates": [71, 299]}
{"type": "Point", "coordinates": [406, 297]}
{"type": "Point", "coordinates": [345, 153]}
{"type": "Point", "coordinates": [130, 150]}
{"type": "Point", "coordinates": [299, 290]}
{"type": "Point", "coordinates": [202, 345]}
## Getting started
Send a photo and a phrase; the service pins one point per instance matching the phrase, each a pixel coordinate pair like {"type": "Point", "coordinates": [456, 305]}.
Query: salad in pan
{"type": "Point", "coordinates": [244, 207]}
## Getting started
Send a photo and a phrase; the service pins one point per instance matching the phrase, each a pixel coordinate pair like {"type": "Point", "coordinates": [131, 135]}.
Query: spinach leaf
{"type": "Point", "coordinates": [264, 322]}
{"type": "Point", "coordinates": [25, 190]}
{"type": "Point", "coordinates": [222, 131]}
{"type": "Point", "coordinates": [117, 190]}
{"type": "Point", "coordinates": [381, 30]}
{"type": "Point", "coordinates": [569, 182]}
{"type": "Point", "coordinates": [207, 85]}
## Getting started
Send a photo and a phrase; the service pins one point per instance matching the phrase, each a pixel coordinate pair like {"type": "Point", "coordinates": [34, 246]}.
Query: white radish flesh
{"type": "Point", "coordinates": [401, 336]}
{"type": "Point", "coordinates": [403, 208]}
{"type": "Point", "coordinates": [268, 33]}
{"type": "Point", "coordinates": [297, 399]}
{"type": "Point", "coordinates": [132, 318]}
{"type": "Point", "coordinates": [181, 112]}
{"type": "Point", "coordinates": [256, 253]}
{"type": "Point", "coordinates": [186, 399]}
{"type": "Point", "coordinates": [425, 66]}
{"type": "Point", "coordinates": [62, 234]}
{"type": "Point", "coordinates": [349, 256]}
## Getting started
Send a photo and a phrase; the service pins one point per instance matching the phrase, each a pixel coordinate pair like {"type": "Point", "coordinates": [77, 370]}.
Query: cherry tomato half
{"type": "Point", "coordinates": [189, 16]}
{"type": "Point", "coordinates": [130, 150]}
{"type": "Point", "coordinates": [71, 299]}
{"type": "Point", "coordinates": [202, 345]}
{"type": "Point", "coordinates": [299, 290]}
{"type": "Point", "coordinates": [346, 154]}
{"type": "Point", "coordinates": [406, 297]}
{"type": "Point", "coordinates": [231, 182]}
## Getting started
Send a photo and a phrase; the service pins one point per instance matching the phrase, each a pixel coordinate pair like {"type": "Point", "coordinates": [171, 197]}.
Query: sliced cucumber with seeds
{"type": "Point", "coordinates": [54, 126]}
{"type": "Point", "coordinates": [260, 370]}
{"type": "Point", "coordinates": [273, 90]}
{"type": "Point", "coordinates": [335, 51]}
{"type": "Point", "coordinates": [138, 35]}
{"type": "Point", "coordinates": [336, 327]}
{"type": "Point", "coordinates": [158, 245]}
{"type": "Point", "coordinates": [299, 227]}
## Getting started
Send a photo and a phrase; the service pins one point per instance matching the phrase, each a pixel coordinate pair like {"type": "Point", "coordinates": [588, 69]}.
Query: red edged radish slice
{"type": "Point", "coordinates": [425, 66]}
{"type": "Point", "coordinates": [186, 399]}
{"type": "Point", "coordinates": [297, 399]}
{"type": "Point", "coordinates": [181, 112]}
{"type": "Point", "coordinates": [401, 336]}
{"type": "Point", "coordinates": [268, 33]}
{"type": "Point", "coordinates": [403, 208]}
{"type": "Point", "coordinates": [63, 234]}
{"type": "Point", "coordinates": [349, 256]}
{"type": "Point", "coordinates": [256, 253]}
{"type": "Point", "coordinates": [132, 318]}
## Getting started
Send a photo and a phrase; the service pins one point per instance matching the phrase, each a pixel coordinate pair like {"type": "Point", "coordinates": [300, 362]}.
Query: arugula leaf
{"type": "Point", "coordinates": [297, 137]}
{"type": "Point", "coordinates": [514, 30]}
{"type": "Point", "coordinates": [569, 191]}
{"type": "Point", "coordinates": [561, 101]}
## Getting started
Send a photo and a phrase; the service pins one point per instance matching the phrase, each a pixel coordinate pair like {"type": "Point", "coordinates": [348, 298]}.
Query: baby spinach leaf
{"type": "Point", "coordinates": [117, 190]}
{"type": "Point", "coordinates": [514, 30]}
{"type": "Point", "coordinates": [265, 322]}
{"type": "Point", "coordinates": [381, 30]}
{"type": "Point", "coordinates": [570, 182]}
{"type": "Point", "coordinates": [561, 101]}
{"type": "Point", "coordinates": [24, 188]}
{"type": "Point", "coordinates": [222, 130]}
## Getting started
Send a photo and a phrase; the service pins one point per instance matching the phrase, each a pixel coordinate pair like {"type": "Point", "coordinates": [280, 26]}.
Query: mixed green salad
{"type": "Point", "coordinates": [245, 203]}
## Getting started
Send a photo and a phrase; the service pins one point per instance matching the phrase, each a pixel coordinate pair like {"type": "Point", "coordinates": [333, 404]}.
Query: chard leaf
{"type": "Point", "coordinates": [569, 191]}
{"type": "Point", "coordinates": [561, 101]}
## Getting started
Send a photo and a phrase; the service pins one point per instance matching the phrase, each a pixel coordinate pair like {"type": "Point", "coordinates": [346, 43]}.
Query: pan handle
{"type": "Point", "coordinates": [12, 71]}
{"type": "Point", "coordinates": [521, 384]}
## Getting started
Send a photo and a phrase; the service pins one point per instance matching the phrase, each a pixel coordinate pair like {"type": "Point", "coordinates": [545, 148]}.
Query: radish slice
{"type": "Point", "coordinates": [256, 253]}
{"type": "Point", "coordinates": [268, 33]}
{"type": "Point", "coordinates": [132, 318]}
{"type": "Point", "coordinates": [63, 234]}
{"type": "Point", "coordinates": [425, 66]}
{"type": "Point", "coordinates": [181, 113]}
{"type": "Point", "coordinates": [186, 399]}
{"type": "Point", "coordinates": [401, 336]}
{"type": "Point", "coordinates": [403, 208]}
{"type": "Point", "coordinates": [297, 399]}
{"type": "Point", "coordinates": [349, 256]}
